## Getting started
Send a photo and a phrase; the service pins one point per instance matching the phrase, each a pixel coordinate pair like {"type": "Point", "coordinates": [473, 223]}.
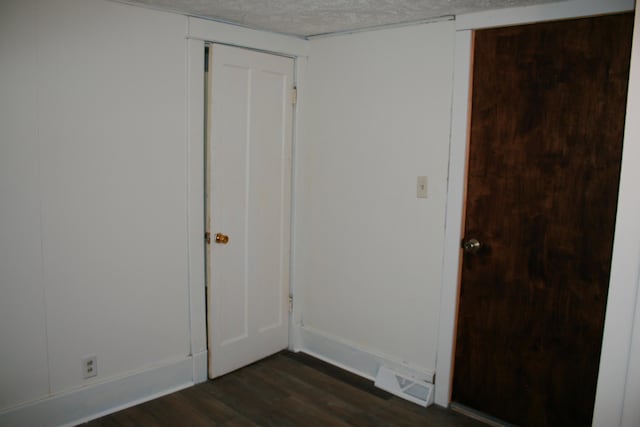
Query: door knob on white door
{"type": "Point", "coordinates": [222, 239]}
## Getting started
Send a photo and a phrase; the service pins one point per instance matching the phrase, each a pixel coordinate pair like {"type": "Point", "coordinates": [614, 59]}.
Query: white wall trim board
{"type": "Point", "coordinates": [539, 13]}
{"type": "Point", "coordinates": [630, 408]}
{"type": "Point", "coordinates": [200, 367]}
{"type": "Point", "coordinates": [195, 194]}
{"type": "Point", "coordinates": [625, 270]}
{"type": "Point", "coordinates": [383, 27]}
{"type": "Point", "coordinates": [616, 370]}
{"type": "Point", "coordinates": [93, 401]}
{"type": "Point", "coordinates": [353, 358]}
{"type": "Point", "coordinates": [213, 31]}
{"type": "Point", "coordinates": [295, 290]}
{"type": "Point", "coordinates": [455, 212]}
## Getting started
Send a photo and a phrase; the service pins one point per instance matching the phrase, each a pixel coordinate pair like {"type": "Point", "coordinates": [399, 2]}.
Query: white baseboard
{"type": "Point", "coordinates": [95, 400]}
{"type": "Point", "coordinates": [200, 369]}
{"type": "Point", "coordinates": [355, 359]}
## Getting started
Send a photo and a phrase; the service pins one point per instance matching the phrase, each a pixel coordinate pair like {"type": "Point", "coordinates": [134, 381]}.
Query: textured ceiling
{"type": "Point", "coordinates": [313, 17]}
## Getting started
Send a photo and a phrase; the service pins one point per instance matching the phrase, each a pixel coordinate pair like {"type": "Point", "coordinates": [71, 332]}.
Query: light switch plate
{"type": "Point", "coordinates": [421, 192]}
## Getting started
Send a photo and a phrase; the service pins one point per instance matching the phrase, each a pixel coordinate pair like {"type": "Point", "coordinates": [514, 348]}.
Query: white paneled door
{"type": "Point", "coordinates": [248, 205]}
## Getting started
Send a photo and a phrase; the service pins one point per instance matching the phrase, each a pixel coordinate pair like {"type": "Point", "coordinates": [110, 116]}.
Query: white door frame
{"type": "Point", "coordinates": [261, 336]}
{"type": "Point", "coordinates": [200, 32]}
{"type": "Point", "coordinates": [195, 207]}
{"type": "Point", "coordinates": [626, 253]}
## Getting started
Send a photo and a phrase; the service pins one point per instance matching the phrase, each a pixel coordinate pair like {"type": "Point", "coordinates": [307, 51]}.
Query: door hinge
{"type": "Point", "coordinates": [290, 304]}
{"type": "Point", "coordinates": [294, 95]}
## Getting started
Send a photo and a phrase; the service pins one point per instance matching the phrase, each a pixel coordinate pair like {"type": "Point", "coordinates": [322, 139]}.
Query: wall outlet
{"type": "Point", "coordinates": [89, 366]}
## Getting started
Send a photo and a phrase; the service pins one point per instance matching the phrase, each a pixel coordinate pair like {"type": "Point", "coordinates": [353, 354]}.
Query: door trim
{"type": "Point", "coordinates": [195, 206]}
{"type": "Point", "coordinates": [454, 221]}
{"type": "Point", "coordinates": [623, 286]}
{"type": "Point", "coordinates": [199, 33]}
{"type": "Point", "coordinates": [219, 32]}
{"type": "Point", "coordinates": [539, 13]}
{"type": "Point", "coordinates": [286, 175]}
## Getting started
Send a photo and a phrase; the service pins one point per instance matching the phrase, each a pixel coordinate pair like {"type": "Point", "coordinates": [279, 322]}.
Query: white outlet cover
{"type": "Point", "coordinates": [89, 366]}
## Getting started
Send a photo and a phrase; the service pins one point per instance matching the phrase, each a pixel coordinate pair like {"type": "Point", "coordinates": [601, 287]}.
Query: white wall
{"type": "Point", "coordinates": [22, 315]}
{"type": "Point", "coordinates": [112, 145]}
{"type": "Point", "coordinates": [93, 242]}
{"type": "Point", "coordinates": [101, 203]}
{"type": "Point", "coordinates": [375, 111]}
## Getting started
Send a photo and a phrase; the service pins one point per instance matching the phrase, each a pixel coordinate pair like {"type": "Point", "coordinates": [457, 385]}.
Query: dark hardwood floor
{"type": "Point", "coordinates": [286, 389]}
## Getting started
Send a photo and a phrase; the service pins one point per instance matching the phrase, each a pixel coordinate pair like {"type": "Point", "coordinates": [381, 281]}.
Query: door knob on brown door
{"type": "Point", "coordinates": [222, 239]}
{"type": "Point", "coordinates": [471, 245]}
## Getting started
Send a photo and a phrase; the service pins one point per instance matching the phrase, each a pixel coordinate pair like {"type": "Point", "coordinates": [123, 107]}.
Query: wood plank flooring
{"type": "Point", "coordinates": [286, 389]}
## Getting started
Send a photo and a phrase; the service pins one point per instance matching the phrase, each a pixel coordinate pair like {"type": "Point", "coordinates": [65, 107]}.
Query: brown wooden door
{"type": "Point", "coordinates": [548, 105]}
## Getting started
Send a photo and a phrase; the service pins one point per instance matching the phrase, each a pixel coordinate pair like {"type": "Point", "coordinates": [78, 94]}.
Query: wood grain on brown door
{"type": "Point", "coordinates": [548, 106]}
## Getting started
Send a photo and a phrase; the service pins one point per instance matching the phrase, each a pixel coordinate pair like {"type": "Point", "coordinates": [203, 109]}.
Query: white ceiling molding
{"type": "Point", "coordinates": [307, 18]}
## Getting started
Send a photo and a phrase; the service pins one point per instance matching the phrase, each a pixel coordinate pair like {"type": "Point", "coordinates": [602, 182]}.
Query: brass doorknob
{"type": "Point", "coordinates": [222, 239]}
{"type": "Point", "coordinates": [471, 245]}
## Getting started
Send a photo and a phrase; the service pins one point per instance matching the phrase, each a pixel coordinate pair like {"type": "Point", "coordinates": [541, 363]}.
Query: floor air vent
{"type": "Point", "coordinates": [411, 389]}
